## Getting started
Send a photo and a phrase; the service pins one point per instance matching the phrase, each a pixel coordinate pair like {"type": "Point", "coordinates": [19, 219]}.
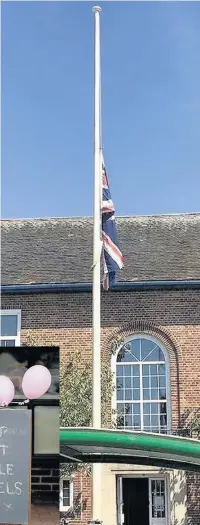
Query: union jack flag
{"type": "Point", "coordinates": [112, 257]}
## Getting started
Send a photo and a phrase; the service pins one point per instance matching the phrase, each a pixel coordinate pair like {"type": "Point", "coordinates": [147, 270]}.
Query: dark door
{"type": "Point", "coordinates": [136, 501]}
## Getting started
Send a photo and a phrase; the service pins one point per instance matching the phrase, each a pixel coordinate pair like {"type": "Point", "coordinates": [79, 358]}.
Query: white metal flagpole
{"type": "Point", "coordinates": [96, 295]}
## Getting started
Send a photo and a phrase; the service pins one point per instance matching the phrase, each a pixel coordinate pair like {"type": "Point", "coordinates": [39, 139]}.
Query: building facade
{"type": "Point", "coordinates": [154, 315]}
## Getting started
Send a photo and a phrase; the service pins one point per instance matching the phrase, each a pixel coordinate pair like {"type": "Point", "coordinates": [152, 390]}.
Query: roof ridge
{"type": "Point", "coordinates": [90, 217]}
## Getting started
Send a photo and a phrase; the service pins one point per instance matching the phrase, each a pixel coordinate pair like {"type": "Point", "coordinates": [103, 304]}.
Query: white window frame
{"type": "Point", "coordinates": [12, 337]}
{"type": "Point", "coordinates": [140, 335]}
{"type": "Point", "coordinates": [71, 491]}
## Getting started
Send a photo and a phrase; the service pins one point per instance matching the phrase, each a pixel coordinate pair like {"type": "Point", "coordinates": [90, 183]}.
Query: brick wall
{"type": "Point", "coordinates": [172, 316]}
{"type": "Point", "coordinates": [81, 511]}
{"type": "Point", "coordinates": [45, 485]}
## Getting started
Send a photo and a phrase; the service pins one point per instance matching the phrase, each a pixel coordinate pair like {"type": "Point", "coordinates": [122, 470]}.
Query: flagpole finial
{"type": "Point", "coordinates": [96, 9]}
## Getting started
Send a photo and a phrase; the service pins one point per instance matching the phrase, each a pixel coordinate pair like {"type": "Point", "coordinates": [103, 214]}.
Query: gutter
{"type": "Point", "coordinates": [127, 286]}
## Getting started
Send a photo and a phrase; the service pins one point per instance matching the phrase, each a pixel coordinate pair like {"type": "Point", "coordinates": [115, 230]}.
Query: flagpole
{"type": "Point", "coordinates": [96, 290]}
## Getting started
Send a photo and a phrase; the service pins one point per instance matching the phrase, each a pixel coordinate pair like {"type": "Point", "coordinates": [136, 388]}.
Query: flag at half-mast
{"type": "Point", "coordinates": [112, 256]}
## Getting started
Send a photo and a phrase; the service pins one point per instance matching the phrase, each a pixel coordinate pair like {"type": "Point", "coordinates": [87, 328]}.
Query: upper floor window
{"type": "Point", "coordinates": [142, 394]}
{"type": "Point", "coordinates": [10, 325]}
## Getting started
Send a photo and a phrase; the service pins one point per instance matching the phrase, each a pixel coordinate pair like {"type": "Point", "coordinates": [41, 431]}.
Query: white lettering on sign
{"type": "Point", "coordinates": [8, 506]}
{"type": "Point", "coordinates": [3, 449]}
{"type": "Point", "coordinates": [11, 489]}
{"type": "Point", "coordinates": [3, 430]}
{"type": "Point", "coordinates": [6, 470]}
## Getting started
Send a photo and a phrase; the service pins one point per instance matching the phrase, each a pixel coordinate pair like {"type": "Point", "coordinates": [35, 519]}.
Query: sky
{"type": "Point", "coordinates": [150, 55]}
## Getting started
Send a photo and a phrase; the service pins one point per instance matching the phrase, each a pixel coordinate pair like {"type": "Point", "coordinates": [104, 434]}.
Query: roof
{"type": "Point", "coordinates": [59, 250]}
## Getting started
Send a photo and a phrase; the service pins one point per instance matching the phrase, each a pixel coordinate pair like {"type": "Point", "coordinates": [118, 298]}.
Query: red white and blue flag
{"type": "Point", "coordinates": [112, 256]}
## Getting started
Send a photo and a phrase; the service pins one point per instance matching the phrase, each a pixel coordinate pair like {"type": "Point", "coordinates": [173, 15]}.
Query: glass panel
{"type": "Point", "coordinates": [125, 354]}
{"type": "Point", "coordinates": [4, 342]}
{"type": "Point", "coordinates": [127, 370]}
{"type": "Point", "coordinates": [135, 370]}
{"type": "Point", "coordinates": [162, 381]}
{"type": "Point", "coordinates": [66, 502]}
{"type": "Point", "coordinates": [146, 408]}
{"type": "Point", "coordinates": [158, 499]}
{"type": "Point", "coordinates": [154, 408]}
{"type": "Point", "coordinates": [120, 395]}
{"type": "Point", "coordinates": [153, 370]}
{"type": "Point", "coordinates": [156, 355]}
{"type": "Point", "coordinates": [128, 394]}
{"type": "Point", "coordinates": [154, 381]}
{"type": "Point", "coordinates": [162, 394]}
{"type": "Point", "coordinates": [136, 408]}
{"type": "Point", "coordinates": [46, 430]}
{"type": "Point", "coordinates": [146, 421]}
{"type": "Point", "coordinates": [135, 349]}
{"type": "Point", "coordinates": [154, 393]}
{"type": "Point", "coordinates": [136, 394]}
{"type": "Point", "coordinates": [136, 382]}
{"type": "Point", "coordinates": [161, 370]}
{"type": "Point", "coordinates": [147, 347]}
{"type": "Point", "coordinates": [146, 394]}
{"type": "Point", "coordinates": [145, 381]}
{"type": "Point", "coordinates": [8, 325]}
{"type": "Point", "coordinates": [145, 370]}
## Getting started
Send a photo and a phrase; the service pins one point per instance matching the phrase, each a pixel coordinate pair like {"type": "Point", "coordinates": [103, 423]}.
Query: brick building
{"type": "Point", "coordinates": [155, 312]}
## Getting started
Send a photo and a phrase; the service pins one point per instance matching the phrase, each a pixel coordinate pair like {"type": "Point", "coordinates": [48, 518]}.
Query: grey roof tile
{"type": "Point", "coordinates": [58, 250]}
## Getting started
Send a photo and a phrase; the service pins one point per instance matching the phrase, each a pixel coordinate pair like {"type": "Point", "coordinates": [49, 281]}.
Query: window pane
{"type": "Point", "coordinates": [135, 349]}
{"type": "Point", "coordinates": [146, 421]}
{"type": "Point", "coordinates": [154, 393]}
{"type": "Point", "coordinates": [136, 382]}
{"type": "Point", "coordinates": [147, 347]}
{"type": "Point", "coordinates": [8, 325]}
{"type": "Point", "coordinates": [136, 408]}
{"type": "Point", "coordinates": [127, 370]}
{"type": "Point", "coordinates": [128, 394]}
{"type": "Point", "coordinates": [161, 370]}
{"type": "Point", "coordinates": [46, 430]}
{"type": "Point", "coordinates": [154, 408]}
{"type": "Point", "coordinates": [162, 393]}
{"type": "Point", "coordinates": [145, 381]}
{"type": "Point", "coordinates": [8, 342]}
{"type": "Point", "coordinates": [154, 382]}
{"type": "Point", "coordinates": [146, 394]}
{"type": "Point", "coordinates": [135, 370]}
{"type": "Point", "coordinates": [153, 370]}
{"type": "Point", "coordinates": [145, 370]}
{"type": "Point", "coordinates": [136, 394]}
{"type": "Point", "coordinates": [146, 408]}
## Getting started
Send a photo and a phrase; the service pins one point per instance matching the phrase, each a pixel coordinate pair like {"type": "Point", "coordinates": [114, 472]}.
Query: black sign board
{"type": "Point", "coordinates": [15, 466]}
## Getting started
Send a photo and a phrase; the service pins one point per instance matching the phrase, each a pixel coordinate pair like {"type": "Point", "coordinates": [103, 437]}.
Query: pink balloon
{"type": "Point", "coordinates": [36, 381]}
{"type": "Point", "coordinates": [7, 390]}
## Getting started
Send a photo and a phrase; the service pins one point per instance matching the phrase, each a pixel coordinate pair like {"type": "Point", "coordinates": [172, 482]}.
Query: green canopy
{"type": "Point", "coordinates": [115, 446]}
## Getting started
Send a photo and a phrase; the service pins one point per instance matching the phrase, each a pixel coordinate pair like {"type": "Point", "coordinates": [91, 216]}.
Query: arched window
{"type": "Point", "coordinates": [142, 392]}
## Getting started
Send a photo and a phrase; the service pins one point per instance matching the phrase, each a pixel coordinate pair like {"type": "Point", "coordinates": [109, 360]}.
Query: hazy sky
{"type": "Point", "coordinates": [150, 99]}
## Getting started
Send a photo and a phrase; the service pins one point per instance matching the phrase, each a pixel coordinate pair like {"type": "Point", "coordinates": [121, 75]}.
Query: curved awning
{"type": "Point", "coordinates": [115, 446]}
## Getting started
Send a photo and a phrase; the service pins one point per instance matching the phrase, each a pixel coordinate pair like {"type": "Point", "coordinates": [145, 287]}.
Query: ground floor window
{"type": "Point", "coordinates": [66, 494]}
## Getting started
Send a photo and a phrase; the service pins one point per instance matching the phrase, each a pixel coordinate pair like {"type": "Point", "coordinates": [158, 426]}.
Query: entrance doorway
{"type": "Point", "coordinates": [136, 501]}
{"type": "Point", "coordinates": [141, 501]}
